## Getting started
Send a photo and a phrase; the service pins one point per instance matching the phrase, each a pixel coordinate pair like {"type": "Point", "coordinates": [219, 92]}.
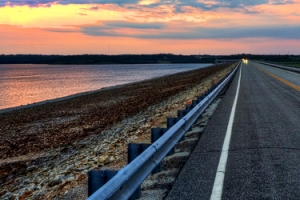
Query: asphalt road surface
{"type": "Point", "coordinates": [260, 159]}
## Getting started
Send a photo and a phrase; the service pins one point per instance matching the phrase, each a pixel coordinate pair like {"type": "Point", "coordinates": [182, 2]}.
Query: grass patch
{"type": "Point", "coordinates": [291, 64]}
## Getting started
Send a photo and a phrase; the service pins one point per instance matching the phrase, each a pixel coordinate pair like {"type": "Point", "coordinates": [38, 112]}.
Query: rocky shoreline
{"type": "Point", "coordinates": [47, 150]}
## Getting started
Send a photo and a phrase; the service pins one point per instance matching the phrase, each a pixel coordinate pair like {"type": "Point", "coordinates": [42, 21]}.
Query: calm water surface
{"type": "Point", "coordinates": [27, 84]}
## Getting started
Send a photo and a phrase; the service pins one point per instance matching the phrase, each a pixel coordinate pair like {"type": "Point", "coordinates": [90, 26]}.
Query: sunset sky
{"type": "Point", "coordinates": [149, 26]}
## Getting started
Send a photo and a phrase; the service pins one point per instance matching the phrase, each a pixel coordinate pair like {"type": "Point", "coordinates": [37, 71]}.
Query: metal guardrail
{"type": "Point", "coordinates": [293, 69]}
{"type": "Point", "coordinates": [129, 178]}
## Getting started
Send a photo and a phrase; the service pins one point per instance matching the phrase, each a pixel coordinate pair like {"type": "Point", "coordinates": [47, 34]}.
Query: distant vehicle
{"type": "Point", "coordinates": [245, 60]}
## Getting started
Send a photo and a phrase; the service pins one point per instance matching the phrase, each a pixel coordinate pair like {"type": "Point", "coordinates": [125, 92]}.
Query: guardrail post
{"type": "Point", "coordinates": [200, 98]}
{"type": "Point", "coordinates": [194, 103]}
{"type": "Point", "coordinates": [97, 178]}
{"type": "Point", "coordinates": [188, 108]}
{"type": "Point", "coordinates": [156, 133]}
{"type": "Point", "coordinates": [181, 114]}
{"type": "Point", "coordinates": [171, 121]}
{"type": "Point", "coordinates": [134, 150]}
{"type": "Point", "coordinates": [206, 92]}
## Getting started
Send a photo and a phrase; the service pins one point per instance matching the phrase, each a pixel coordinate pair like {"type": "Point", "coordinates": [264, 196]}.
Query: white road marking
{"type": "Point", "coordinates": [219, 180]}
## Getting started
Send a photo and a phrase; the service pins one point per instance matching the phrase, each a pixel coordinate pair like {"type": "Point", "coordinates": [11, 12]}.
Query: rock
{"type": "Point", "coordinates": [31, 168]}
{"type": "Point", "coordinates": [3, 192]}
{"type": "Point", "coordinates": [141, 121]}
{"type": "Point", "coordinates": [91, 163]}
{"type": "Point", "coordinates": [105, 141]}
{"type": "Point", "coordinates": [81, 168]}
{"type": "Point", "coordinates": [38, 194]}
{"type": "Point", "coordinates": [63, 185]}
{"type": "Point", "coordinates": [111, 159]}
{"type": "Point", "coordinates": [103, 159]}
{"type": "Point", "coordinates": [80, 177]}
{"type": "Point", "coordinates": [26, 194]}
{"type": "Point", "coordinates": [68, 168]}
{"type": "Point", "coordinates": [118, 130]}
{"type": "Point", "coordinates": [97, 149]}
{"type": "Point", "coordinates": [7, 196]}
{"type": "Point", "coordinates": [38, 187]}
{"type": "Point", "coordinates": [138, 132]}
{"type": "Point", "coordinates": [54, 182]}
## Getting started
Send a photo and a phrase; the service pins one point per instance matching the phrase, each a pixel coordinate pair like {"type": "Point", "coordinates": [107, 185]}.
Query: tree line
{"type": "Point", "coordinates": [135, 59]}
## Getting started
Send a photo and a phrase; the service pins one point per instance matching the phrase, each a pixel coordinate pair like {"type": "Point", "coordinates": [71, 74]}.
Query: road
{"type": "Point", "coordinates": [259, 117]}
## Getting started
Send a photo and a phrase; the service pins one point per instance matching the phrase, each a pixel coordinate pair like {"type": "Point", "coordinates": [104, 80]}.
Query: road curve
{"type": "Point", "coordinates": [263, 158]}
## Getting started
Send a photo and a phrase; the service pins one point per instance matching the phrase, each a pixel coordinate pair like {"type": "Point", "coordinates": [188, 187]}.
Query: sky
{"type": "Point", "coordinates": [115, 27]}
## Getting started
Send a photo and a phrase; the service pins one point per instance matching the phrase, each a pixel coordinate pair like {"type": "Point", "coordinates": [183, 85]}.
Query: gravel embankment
{"type": "Point", "coordinates": [47, 150]}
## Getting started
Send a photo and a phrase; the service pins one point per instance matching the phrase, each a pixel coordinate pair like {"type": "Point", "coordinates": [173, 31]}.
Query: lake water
{"type": "Point", "coordinates": [27, 84]}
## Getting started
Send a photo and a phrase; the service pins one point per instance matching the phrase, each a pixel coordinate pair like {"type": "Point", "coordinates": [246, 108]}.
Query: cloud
{"type": "Point", "coordinates": [26, 2]}
{"type": "Point", "coordinates": [61, 30]}
{"type": "Point", "coordinates": [111, 29]}
{"type": "Point", "coordinates": [125, 24]}
{"type": "Point", "coordinates": [64, 2]}
{"type": "Point", "coordinates": [279, 32]}
{"type": "Point", "coordinates": [92, 8]}
{"type": "Point", "coordinates": [281, 2]}
{"type": "Point", "coordinates": [179, 4]}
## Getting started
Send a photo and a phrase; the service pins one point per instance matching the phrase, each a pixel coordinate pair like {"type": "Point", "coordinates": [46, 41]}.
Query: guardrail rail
{"type": "Point", "coordinates": [125, 183]}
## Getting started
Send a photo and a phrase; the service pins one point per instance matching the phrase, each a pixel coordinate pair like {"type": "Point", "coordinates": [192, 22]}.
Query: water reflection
{"type": "Point", "coordinates": [26, 84]}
